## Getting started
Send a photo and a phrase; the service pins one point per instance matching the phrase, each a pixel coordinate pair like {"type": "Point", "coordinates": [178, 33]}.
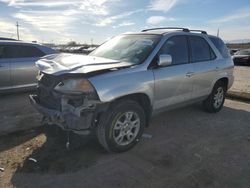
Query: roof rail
{"type": "Point", "coordinates": [161, 28]}
{"type": "Point", "coordinates": [195, 30]}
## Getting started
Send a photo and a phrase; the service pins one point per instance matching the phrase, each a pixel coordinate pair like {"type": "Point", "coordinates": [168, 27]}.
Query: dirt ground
{"type": "Point", "coordinates": [188, 148]}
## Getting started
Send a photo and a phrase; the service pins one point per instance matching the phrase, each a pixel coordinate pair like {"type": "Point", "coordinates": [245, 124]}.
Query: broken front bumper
{"type": "Point", "coordinates": [79, 120]}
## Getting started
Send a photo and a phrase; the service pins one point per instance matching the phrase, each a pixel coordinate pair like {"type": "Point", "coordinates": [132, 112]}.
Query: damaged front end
{"type": "Point", "coordinates": [69, 102]}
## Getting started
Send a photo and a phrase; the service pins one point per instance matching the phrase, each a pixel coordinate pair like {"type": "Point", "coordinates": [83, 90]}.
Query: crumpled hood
{"type": "Point", "coordinates": [62, 63]}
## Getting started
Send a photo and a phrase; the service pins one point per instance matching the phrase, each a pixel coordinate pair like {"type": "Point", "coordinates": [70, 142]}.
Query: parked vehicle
{"type": "Point", "coordinates": [116, 89]}
{"type": "Point", "coordinates": [242, 57]}
{"type": "Point", "coordinates": [17, 64]}
{"type": "Point", "coordinates": [233, 51]}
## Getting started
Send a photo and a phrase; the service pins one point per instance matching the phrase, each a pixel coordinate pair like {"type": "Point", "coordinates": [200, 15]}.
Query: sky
{"type": "Point", "coordinates": [61, 21]}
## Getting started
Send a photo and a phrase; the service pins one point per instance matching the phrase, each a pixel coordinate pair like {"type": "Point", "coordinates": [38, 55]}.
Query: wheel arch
{"type": "Point", "coordinates": [224, 80]}
{"type": "Point", "coordinates": [143, 100]}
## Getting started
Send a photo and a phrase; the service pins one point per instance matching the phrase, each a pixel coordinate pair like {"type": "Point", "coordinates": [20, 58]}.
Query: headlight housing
{"type": "Point", "coordinates": [76, 86]}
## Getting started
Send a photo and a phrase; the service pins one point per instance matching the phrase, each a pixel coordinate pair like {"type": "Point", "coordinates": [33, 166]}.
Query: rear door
{"type": "Point", "coordinates": [173, 84]}
{"type": "Point", "coordinates": [5, 82]}
{"type": "Point", "coordinates": [22, 65]}
{"type": "Point", "coordinates": [205, 66]}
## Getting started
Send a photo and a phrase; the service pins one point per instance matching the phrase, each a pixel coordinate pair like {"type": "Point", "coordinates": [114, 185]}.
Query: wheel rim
{"type": "Point", "coordinates": [218, 97]}
{"type": "Point", "coordinates": [126, 128]}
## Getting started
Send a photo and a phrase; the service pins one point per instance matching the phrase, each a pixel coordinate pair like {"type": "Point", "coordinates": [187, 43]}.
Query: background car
{"type": "Point", "coordinates": [242, 57]}
{"type": "Point", "coordinates": [17, 64]}
{"type": "Point", "coordinates": [233, 51]}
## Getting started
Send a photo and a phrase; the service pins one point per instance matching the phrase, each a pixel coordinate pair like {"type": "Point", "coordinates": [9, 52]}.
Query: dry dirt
{"type": "Point", "coordinates": [188, 148]}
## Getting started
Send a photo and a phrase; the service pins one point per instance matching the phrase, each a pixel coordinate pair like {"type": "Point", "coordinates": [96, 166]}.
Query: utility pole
{"type": "Point", "coordinates": [17, 30]}
{"type": "Point", "coordinates": [218, 32]}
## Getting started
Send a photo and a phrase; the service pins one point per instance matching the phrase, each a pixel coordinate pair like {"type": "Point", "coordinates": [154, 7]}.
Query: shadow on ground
{"type": "Point", "coordinates": [11, 140]}
{"type": "Point", "coordinates": [55, 158]}
{"type": "Point", "coordinates": [189, 148]}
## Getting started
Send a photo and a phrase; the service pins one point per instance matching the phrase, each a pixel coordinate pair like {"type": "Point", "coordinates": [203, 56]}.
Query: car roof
{"type": "Point", "coordinates": [17, 42]}
{"type": "Point", "coordinates": [167, 30]}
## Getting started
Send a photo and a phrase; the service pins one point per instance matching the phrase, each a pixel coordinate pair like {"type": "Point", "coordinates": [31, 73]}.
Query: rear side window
{"type": "Point", "coordinates": [177, 47]}
{"type": "Point", "coordinates": [1, 52]}
{"type": "Point", "coordinates": [219, 44]}
{"type": "Point", "coordinates": [200, 49]}
{"type": "Point", "coordinates": [21, 51]}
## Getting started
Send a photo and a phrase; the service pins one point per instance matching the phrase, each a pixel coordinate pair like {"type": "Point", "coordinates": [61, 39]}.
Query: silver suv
{"type": "Point", "coordinates": [17, 64]}
{"type": "Point", "coordinates": [116, 89]}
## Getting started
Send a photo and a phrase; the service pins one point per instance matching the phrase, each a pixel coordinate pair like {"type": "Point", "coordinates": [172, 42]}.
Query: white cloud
{"type": "Point", "coordinates": [93, 7]}
{"type": "Point", "coordinates": [163, 5]}
{"type": "Point", "coordinates": [112, 19]}
{"type": "Point", "coordinates": [124, 24]}
{"type": "Point", "coordinates": [155, 20]}
{"type": "Point", "coordinates": [46, 21]}
{"type": "Point", "coordinates": [34, 3]}
{"type": "Point", "coordinates": [237, 16]}
{"type": "Point", "coordinates": [8, 29]}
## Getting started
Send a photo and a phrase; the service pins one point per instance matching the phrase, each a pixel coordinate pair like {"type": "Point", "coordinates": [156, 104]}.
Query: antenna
{"type": "Point", "coordinates": [17, 30]}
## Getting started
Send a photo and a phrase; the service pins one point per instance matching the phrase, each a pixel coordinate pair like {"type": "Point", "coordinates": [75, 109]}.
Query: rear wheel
{"type": "Point", "coordinates": [215, 100]}
{"type": "Point", "coordinates": [121, 127]}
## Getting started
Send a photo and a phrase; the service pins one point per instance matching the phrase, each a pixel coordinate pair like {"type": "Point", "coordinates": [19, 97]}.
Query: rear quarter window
{"type": "Point", "coordinates": [1, 52]}
{"type": "Point", "coordinates": [200, 49]}
{"type": "Point", "coordinates": [22, 51]}
{"type": "Point", "coordinates": [220, 45]}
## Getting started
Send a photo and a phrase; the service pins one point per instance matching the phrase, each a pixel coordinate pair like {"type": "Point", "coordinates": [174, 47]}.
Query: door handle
{"type": "Point", "coordinates": [189, 74]}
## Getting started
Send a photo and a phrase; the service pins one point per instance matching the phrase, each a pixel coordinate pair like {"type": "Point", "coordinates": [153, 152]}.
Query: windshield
{"type": "Point", "coordinates": [243, 52]}
{"type": "Point", "coordinates": [128, 48]}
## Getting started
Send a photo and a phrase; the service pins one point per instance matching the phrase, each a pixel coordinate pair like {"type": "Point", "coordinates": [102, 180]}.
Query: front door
{"type": "Point", "coordinates": [23, 69]}
{"type": "Point", "coordinates": [173, 83]}
{"type": "Point", "coordinates": [5, 82]}
{"type": "Point", "coordinates": [205, 66]}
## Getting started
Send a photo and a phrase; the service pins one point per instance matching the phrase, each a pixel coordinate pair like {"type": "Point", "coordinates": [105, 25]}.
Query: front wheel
{"type": "Point", "coordinates": [215, 100]}
{"type": "Point", "coordinates": [121, 127]}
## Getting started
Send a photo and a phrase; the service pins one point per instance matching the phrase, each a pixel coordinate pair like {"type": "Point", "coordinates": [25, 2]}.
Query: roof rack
{"type": "Point", "coordinates": [161, 28]}
{"type": "Point", "coordinates": [195, 30]}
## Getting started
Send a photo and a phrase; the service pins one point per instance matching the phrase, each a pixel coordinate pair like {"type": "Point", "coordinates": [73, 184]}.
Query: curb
{"type": "Point", "coordinates": [239, 95]}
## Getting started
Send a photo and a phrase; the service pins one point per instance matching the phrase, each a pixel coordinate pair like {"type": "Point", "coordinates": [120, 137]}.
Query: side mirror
{"type": "Point", "coordinates": [164, 60]}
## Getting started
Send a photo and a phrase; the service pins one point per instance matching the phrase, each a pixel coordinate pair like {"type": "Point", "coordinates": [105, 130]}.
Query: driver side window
{"type": "Point", "coordinates": [177, 47]}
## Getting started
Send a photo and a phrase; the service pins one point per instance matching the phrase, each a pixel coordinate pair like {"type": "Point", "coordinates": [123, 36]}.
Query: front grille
{"type": "Point", "coordinates": [47, 97]}
{"type": "Point", "coordinates": [49, 80]}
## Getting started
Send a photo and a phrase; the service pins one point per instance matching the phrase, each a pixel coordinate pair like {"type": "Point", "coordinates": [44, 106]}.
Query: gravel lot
{"type": "Point", "coordinates": [188, 148]}
{"type": "Point", "coordinates": [241, 86]}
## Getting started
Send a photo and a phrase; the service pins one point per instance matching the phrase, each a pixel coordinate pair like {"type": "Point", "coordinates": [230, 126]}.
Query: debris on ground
{"type": "Point", "coordinates": [148, 136]}
{"type": "Point", "coordinates": [1, 169]}
{"type": "Point", "coordinates": [32, 159]}
{"type": "Point", "coordinates": [198, 156]}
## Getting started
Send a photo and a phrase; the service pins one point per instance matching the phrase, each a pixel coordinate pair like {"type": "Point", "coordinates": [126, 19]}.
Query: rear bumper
{"type": "Point", "coordinates": [77, 120]}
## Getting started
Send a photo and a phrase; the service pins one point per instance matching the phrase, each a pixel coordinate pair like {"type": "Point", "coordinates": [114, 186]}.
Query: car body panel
{"type": "Point", "coordinates": [19, 73]}
{"type": "Point", "coordinates": [23, 71]}
{"type": "Point", "coordinates": [172, 85]}
{"type": "Point", "coordinates": [112, 85]}
{"type": "Point", "coordinates": [5, 81]}
{"type": "Point", "coordinates": [165, 87]}
{"type": "Point", "coordinates": [58, 64]}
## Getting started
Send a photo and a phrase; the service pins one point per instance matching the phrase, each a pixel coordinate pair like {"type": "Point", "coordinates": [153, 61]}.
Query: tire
{"type": "Point", "coordinates": [121, 127]}
{"type": "Point", "coordinates": [215, 100]}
